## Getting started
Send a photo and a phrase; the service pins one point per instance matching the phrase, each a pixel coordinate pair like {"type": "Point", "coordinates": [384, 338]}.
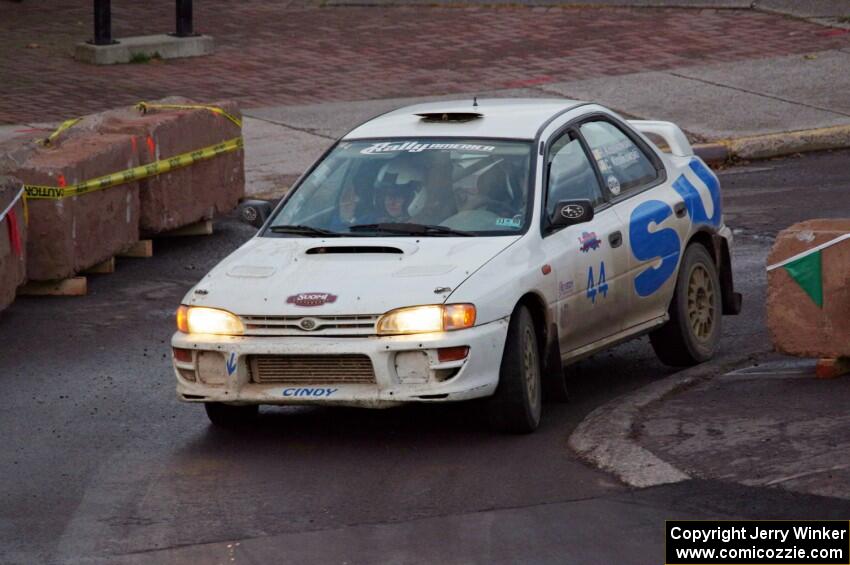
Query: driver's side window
{"type": "Point", "coordinates": [310, 201]}
{"type": "Point", "coordinates": [571, 175]}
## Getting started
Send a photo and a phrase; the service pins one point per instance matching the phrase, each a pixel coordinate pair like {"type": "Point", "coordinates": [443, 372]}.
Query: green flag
{"type": "Point", "coordinates": [807, 272]}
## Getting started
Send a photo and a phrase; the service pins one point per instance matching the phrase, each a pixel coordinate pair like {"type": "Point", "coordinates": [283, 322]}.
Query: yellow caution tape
{"type": "Point", "coordinates": [145, 106]}
{"type": "Point", "coordinates": [65, 125]}
{"type": "Point", "coordinates": [136, 173]}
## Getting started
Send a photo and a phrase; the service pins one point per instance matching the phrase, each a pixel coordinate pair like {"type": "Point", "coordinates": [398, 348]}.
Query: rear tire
{"type": "Point", "coordinates": [230, 416]}
{"type": "Point", "coordinates": [690, 336]}
{"type": "Point", "coordinates": [518, 402]}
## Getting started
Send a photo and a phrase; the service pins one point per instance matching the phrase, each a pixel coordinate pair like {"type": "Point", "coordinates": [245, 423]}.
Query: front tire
{"type": "Point", "coordinates": [230, 416]}
{"type": "Point", "coordinates": [518, 402]}
{"type": "Point", "coordinates": [691, 335]}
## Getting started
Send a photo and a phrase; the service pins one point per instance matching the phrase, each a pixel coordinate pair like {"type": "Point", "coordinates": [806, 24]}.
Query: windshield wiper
{"type": "Point", "coordinates": [305, 230]}
{"type": "Point", "coordinates": [409, 229]}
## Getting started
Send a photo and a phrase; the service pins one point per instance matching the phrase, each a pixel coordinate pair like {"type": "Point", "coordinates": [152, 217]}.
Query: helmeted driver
{"type": "Point", "coordinates": [399, 185]}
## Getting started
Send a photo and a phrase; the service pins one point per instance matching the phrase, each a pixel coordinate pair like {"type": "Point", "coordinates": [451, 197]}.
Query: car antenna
{"type": "Point", "coordinates": [475, 102]}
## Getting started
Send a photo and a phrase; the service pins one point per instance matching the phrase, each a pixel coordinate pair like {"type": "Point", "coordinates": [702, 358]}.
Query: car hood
{"type": "Point", "coordinates": [319, 277]}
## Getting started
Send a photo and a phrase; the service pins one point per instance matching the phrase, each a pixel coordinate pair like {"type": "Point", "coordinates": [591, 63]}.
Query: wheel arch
{"type": "Point", "coordinates": [706, 238]}
{"type": "Point", "coordinates": [548, 342]}
{"type": "Point", "coordinates": [537, 308]}
{"type": "Point", "coordinates": [718, 247]}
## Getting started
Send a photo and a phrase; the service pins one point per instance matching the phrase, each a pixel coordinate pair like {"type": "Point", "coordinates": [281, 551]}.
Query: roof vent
{"type": "Point", "coordinates": [449, 116]}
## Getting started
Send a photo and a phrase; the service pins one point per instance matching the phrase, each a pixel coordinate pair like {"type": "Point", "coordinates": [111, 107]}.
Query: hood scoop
{"type": "Point", "coordinates": [248, 272]}
{"type": "Point", "coordinates": [359, 249]}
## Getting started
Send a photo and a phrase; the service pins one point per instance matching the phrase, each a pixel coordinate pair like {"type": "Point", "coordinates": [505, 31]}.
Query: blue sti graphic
{"type": "Point", "coordinates": [595, 287]}
{"type": "Point", "coordinates": [231, 364]}
{"type": "Point", "coordinates": [691, 195]}
{"type": "Point", "coordinates": [665, 243]}
{"type": "Point", "coordinates": [309, 392]}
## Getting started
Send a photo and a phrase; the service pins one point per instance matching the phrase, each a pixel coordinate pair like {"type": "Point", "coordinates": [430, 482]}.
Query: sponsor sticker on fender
{"type": "Point", "coordinates": [589, 242]}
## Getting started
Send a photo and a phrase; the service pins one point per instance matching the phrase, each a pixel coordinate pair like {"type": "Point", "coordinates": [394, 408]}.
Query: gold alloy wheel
{"type": "Point", "coordinates": [529, 366]}
{"type": "Point", "coordinates": [701, 297]}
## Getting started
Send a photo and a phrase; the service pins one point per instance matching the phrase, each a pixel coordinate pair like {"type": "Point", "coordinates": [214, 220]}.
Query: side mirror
{"type": "Point", "coordinates": [571, 212]}
{"type": "Point", "coordinates": [255, 212]}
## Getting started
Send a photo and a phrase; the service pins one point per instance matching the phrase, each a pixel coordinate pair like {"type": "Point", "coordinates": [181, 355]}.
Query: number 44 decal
{"type": "Point", "coordinates": [595, 287]}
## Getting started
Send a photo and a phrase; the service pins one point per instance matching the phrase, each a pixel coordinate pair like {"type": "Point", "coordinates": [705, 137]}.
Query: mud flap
{"type": "Point", "coordinates": [554, 381]}
{"type": "Point", "coordinates": [731, 300]}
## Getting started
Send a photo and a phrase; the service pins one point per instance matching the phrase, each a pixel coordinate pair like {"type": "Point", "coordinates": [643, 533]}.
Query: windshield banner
{"type": "Point", "coordinates": [417, 147]}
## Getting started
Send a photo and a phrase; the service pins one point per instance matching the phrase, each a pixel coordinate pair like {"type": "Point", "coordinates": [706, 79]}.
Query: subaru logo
{"type": "Point", "coordinates": [572, 211]}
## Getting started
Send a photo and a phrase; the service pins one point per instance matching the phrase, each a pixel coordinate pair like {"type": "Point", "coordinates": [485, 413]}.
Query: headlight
{"type": "Point", "coordinates": [423, 319]}
{"type": "Point", "coordinates": [199, 320]}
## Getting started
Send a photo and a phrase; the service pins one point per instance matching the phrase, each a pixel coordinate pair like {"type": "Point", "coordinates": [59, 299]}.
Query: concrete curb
{"type": "Point", "coordinates": [605, 438]}
{"type": "Point", "coordinates": [775, 144]}
{"type": "Point", "coordinates": [712, 153]}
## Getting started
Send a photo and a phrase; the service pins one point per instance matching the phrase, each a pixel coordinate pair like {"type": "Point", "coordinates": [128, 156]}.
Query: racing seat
{"type": "Point", "coordinates": [493, 185]}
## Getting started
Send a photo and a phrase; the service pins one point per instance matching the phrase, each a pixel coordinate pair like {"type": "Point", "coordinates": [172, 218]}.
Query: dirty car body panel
{"type": "Point", "coordinates": [339, 254]}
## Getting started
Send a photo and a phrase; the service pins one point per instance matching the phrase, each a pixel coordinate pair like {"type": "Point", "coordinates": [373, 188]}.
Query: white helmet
{"type": "Point", "coordinates": [400, 171]}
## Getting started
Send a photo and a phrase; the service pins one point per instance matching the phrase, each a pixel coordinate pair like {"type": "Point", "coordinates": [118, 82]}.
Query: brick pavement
{"type": "Point", "coordinates": [278, 53]}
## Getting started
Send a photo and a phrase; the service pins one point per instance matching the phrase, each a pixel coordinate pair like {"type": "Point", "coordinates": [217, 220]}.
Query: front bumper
{"type": "Point", "coordinates": [222, 373]}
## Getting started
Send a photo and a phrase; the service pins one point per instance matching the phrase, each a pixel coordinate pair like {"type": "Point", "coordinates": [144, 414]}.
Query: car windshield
{"type": "Point", "coordinates": [416, 187]}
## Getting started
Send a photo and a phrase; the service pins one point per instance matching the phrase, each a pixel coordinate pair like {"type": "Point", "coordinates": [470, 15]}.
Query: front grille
{"type": "Point", "coordinates": [363, 324]}
{"type": "Point", "coordinates": [311, 369]}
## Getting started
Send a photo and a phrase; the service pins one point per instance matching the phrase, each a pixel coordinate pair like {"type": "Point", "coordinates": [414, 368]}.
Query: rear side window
{"type": "Point", "coordinates": [571, 175]}
{"type": "Point", "coordinates": [623, 165]}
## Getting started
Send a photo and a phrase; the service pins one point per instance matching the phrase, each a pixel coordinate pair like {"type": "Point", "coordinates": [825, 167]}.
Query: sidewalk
{"type": "Point", "coordinates": [755, 103]}
{"type": "Point", "coordinates": [306, 74]}
{"type": "Point", "coordinates": [753, 106]}
{"type": "Point", "coordinates": [773, 424]}
{"type": "Point", "coordinates": [270, 54]}
{"type": "Point", "coordinates": [833, 13]}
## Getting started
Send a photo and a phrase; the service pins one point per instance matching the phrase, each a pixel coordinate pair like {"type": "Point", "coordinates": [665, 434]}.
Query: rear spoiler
{"type": "Point", "coordinates": [669, 132]}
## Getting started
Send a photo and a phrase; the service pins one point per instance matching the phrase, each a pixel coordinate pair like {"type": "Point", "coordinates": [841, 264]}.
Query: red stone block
{"type": "Point", "coordinates": [832, 368]}
{"type": "Point", "coordinates": [71, 234]}
{"type": "Point", "coordinates": [13, 241]}
{"type": "Point", "coordinates": [184, 196]}
{"type": "Point", "coordinates": [796, 324]}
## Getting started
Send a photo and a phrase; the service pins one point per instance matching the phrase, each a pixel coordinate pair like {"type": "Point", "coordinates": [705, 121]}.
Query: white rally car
{"type": "Point", "coordinates": [457, 250]}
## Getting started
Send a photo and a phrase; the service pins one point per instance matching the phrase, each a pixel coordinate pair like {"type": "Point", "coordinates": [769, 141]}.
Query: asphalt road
{"type": "Point", "coordinates": [100, 463]}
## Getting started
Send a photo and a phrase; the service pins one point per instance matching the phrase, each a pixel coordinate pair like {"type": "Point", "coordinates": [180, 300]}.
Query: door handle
{"type": "Point", "coordinates": [615, 239]}
{"type": "Point", "coordinates": [680, 209]}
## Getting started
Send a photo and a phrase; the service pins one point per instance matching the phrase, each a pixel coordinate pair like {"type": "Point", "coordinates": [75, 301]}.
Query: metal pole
{"type": "Point", "coordinates": [102, 23]}
{"type": "Point", "coordinates": [184, 19]}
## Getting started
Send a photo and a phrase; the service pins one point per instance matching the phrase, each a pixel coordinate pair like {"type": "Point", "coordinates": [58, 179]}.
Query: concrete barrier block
{"type": "Point", "coordinates": [797, 325]}
{"type": "Point", "coordinates": [72, 234]}
{"type": "Point", "coordinates": [13, 240]}
{"type": "Point", "coordinates": [183, 196]}
{"type": "Point", "coordinates": [160, 46]}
